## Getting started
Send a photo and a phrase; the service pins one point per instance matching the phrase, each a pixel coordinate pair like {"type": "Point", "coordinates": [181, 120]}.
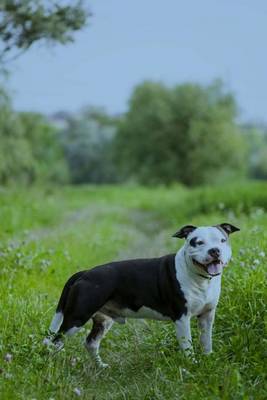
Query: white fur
{"type": "Point", "coordinates": [73, 330]}
{"type": "Point", "coordinates": [56, 322]}
{"type": "Point", "coordinates": [93, 345]}
{"type": "Point", "coordinates": [202, 295]}
{"type": "Point", "coordinates": [205, 322]}
{"type": "Point", "coordinates": [143, 312]}
{"type": "Point", "coordinates": [183, 333]}
{"type": "Point", "coordinates": [211, 237]}
{"type": "Point", "coordinates": [111, 308]}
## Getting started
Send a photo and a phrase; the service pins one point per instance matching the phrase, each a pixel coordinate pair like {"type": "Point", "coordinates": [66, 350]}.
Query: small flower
{"type": "Point", "coordinates": [73, 361]}
{"type": "Point", "coordinates": [8, 357]}
{"type": "Point", "coordinates": [221, 206]}
{"type": "Point", "coordinates": [242, 264]}
{"type": "Point", "coordinates": [256, 261]}
{"type": "Point", "coordinates": [77, 391]}
{"type": "Point", "coordinates": [262, 254]}
{"type": "Point", "coordinates": [45, 263]}
{"type": "Point", "coordinates": [47, 341]}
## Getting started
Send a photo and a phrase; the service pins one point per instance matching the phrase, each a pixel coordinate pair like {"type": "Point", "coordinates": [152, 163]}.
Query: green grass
{"type": "Point", "coordinates": [48, 234]}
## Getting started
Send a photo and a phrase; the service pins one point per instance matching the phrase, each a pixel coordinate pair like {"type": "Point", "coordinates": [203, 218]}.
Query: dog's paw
{"type": "Point", "coordinates": [102, 365]}
{"type": "Point", "coordinates": [54, 346]}
{"type": "Point", "coordinates": [58, 345]}
{"type": "Point", "coordinates": [47, 342]}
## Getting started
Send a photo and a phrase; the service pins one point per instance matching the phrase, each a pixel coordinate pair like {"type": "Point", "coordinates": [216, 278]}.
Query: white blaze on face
{"type": "Point", "coordinates": [201, 241]}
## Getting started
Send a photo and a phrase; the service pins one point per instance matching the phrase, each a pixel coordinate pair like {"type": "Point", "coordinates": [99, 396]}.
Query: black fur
{"type": "Point", "coordinates": [128, 284]}
{"type": "Point", "coordinates": [193, 242]}
{"type": "Point", "coordinates": [184, 231]}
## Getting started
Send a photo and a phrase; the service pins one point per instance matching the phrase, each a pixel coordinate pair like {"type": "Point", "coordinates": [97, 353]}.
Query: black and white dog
{"type": "Point", "coordinates": [174, 287]}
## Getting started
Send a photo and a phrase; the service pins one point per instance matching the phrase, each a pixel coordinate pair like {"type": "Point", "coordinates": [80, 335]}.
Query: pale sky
{"type": "Point", "coordinates": [128, 41]}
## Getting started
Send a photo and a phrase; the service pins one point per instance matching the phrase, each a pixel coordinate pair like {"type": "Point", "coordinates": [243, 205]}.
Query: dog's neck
{"type": "Point", "coordinates": [185, 269]}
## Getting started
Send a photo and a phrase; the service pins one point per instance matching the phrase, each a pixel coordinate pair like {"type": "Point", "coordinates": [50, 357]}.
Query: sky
{"type": "Point", "coordinates": [172, 41]}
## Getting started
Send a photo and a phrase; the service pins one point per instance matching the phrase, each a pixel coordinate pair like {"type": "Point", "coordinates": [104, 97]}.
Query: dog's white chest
{"type": "Point", "coordinates": [200, 294]}
{"type": "Point", "coordinates": [200, 299]}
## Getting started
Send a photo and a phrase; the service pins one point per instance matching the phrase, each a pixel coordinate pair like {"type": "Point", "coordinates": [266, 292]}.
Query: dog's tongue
{"type": "Point", "coordinates": [214, 268]}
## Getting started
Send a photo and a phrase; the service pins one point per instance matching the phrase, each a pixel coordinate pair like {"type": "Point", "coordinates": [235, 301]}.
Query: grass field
{"type": "Point", "coordinates": [48, 234]}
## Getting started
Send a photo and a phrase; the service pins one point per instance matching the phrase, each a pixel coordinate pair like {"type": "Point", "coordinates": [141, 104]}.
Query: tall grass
{"type": "Point", "coordinates": [48, 234]}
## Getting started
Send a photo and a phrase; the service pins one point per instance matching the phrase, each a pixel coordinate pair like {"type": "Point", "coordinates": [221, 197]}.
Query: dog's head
{"type": "Point", "coordinates": [207, 248]}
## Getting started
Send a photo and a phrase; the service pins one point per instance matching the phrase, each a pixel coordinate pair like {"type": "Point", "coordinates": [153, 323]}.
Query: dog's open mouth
{"type": "Point", "coordinates": [212, 268]}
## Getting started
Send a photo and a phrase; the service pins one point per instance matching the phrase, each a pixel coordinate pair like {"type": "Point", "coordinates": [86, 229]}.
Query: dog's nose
{"type": "Point", "coordinates": [214, 252]}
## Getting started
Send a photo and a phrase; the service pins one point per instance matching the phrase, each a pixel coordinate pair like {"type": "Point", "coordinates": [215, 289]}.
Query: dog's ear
{"type": "Point", "coordinates": [228, 228]}
{"type": "Point", "coordinates": [184, 231]}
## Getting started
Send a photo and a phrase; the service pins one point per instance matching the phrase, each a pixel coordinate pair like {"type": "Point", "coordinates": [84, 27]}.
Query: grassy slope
{"type": "Point", "coordinates": [47, 235]}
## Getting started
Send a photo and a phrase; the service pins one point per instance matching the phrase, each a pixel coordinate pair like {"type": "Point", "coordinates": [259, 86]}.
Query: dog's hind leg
{"type": "Point", "coordinates": [101, 325]}
{"type": "Point", "coordinates": [84, 300]}
{"type": "Point", "coordinates": [69, 326]}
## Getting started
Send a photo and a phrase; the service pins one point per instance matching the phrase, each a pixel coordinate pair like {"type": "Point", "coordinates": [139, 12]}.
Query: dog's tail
{"type": "Point", "coordinates": [59, 315]}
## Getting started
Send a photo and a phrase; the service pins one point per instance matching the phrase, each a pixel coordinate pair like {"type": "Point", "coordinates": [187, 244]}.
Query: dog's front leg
{"type": "Point", "coordinates": [183, 334]}
{"type": "Point", "coordinates": [205, 322]}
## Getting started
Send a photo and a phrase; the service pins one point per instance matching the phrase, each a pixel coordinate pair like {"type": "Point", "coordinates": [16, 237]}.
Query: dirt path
{"type": "Point", "coordinates": [148, 233]}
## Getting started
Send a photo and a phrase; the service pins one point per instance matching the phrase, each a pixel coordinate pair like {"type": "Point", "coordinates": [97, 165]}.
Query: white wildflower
{"type": "Point", "coordinates": [47, 341]}
{"type": "Point", "coordinates": [73, 361]}
{"type": "Point", "coordinates": [77, 391]}
{"type": "Point", "coordinates": [8, 357]}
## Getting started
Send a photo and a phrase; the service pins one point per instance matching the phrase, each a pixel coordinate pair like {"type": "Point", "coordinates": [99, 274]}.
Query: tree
{"type": "Point", "coordinates": [256, 137]}
{"type": "Point", "coordinates": [30, 150]}
{"type": "Point", "coordinates": [88, 142]}
{"type": "Point", "coordinates": [46, 148]}
{"type": "Point", "coordinates": [260, 170]}
{"type": "Point", "coordinates": [16, 160]}
{"type": "Point", "coordinates": [186, 133]}
{"type": "Point", "coordinates": [25, 22]}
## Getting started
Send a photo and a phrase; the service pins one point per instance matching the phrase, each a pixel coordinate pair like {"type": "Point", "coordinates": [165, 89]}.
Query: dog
{"type": "Point", "coordinates": [174, 287]}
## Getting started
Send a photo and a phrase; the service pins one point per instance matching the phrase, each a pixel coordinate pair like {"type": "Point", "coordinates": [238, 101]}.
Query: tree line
{"type": "Point", "coordinates": [187, 133]}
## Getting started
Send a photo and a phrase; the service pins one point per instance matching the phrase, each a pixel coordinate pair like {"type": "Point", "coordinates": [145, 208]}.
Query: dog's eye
{"type": "Point", "coordinates": [223, 240]}
{"type": "Point", "coordinates": [200, 242]}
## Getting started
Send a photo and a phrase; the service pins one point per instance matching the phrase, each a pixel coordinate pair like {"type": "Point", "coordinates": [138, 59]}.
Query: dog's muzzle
{"type": "Point", "coordinates": [212, 268]}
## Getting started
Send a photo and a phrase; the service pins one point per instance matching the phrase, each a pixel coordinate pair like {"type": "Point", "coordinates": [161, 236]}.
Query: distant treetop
{"type": "Point", "coordinates": [24, 22]}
